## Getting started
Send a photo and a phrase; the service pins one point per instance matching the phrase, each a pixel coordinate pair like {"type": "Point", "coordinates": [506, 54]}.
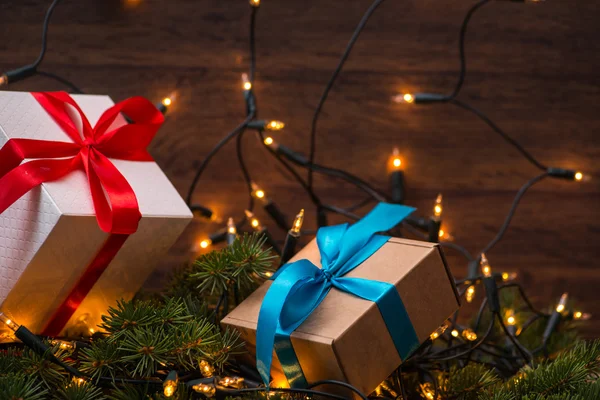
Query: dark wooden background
{"type": "Point", "coordinates": [532, 68]}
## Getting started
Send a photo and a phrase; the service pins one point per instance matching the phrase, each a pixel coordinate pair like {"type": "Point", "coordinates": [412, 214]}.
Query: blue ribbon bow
{"type": "Point", "coordinates": [299, 287]}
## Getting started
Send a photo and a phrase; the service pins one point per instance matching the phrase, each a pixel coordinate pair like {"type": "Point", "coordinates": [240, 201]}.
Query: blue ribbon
{"type": "Point", "coordinates": [299, 287]}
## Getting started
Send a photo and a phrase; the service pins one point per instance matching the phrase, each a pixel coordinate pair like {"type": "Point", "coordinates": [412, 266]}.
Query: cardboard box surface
{"type": "Point", "coordinates": [345, 338]}
{"type": "Point", "coordinates": [49, 236]}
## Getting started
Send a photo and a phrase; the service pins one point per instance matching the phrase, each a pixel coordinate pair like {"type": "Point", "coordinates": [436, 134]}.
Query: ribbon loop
{"type": "Point", "coordinates": [299, 287]}
{"type": "Point", "coordinates": [115, 203]}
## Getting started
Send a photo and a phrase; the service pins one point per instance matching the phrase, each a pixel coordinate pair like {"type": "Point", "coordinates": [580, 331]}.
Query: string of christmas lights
{"type": "Point", "coordinates": [469, 343]}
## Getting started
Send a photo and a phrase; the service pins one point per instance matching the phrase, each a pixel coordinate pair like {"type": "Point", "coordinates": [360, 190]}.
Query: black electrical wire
{"type": "Point", "coordinates": [244, 169]}
{"type": "Point", "coordinates": [461, 47]}
{"type": "Point", "coordinates": [212, 153]}
{"type": "Point", "coordinates": [252, 44]}
{"type": "Point", "coordinates": [512, 211]}
{"type": "Point", "coordinates": [476, 345]}
{"type": "Point", "coordinates": [74, 88]}
{"type": "Point", "coordinates": [500, 132]}
{"type": "Point", "coordinates": [349, 46]}
{"type": "Point", "coordinates": [45, 28]}
{"type": "Point", "coordinates": [458, 248]}
{"type": "Point", "coordinates": [338, 383]}
{"type": "Point", "coordinates": [527, 356]}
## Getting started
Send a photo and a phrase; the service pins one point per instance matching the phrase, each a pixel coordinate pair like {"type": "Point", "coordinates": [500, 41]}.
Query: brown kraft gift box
{"type": "Point", "coordinates": [345, 338]}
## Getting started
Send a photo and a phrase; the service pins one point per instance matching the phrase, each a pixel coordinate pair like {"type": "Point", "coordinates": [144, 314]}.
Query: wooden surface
{"type": "Point", "coordinates": [532, 68]}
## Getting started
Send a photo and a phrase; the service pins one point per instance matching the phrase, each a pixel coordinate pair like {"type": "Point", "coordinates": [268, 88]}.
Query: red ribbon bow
{"type": "Point", "coordinates": [115, 204]}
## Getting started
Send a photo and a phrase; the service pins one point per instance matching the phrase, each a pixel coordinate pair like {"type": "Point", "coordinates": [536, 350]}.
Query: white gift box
{"type": "Point", "coordinates": [50, 235]}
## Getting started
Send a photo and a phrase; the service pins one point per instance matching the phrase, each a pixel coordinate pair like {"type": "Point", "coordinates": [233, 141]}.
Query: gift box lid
{"type": "Point", "coordinates": [21, 116]}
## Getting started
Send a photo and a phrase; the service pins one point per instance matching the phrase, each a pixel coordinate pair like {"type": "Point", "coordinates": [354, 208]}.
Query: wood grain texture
{"type": "Point", "coordinates": [532, 69]}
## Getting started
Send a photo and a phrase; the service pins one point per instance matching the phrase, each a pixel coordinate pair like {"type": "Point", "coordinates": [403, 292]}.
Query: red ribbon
{"type": "Point", "coordinates": [115, 204]}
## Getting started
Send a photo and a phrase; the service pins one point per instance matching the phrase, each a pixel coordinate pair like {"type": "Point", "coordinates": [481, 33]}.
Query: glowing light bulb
{"type": "Point", "coordinates": [170, 384]}
{"type": "Point", "coordinates": [257, 191]}
{"type": "Point", "coordinates": [562, 303]}
{"type": "Point", "coordinates": [167, 101]}
{"type": "Point", "coordinates": [437, 208]}
{"type": "Point", "coordinates": [470, 294]}
{"type": "Point", "coordinates": [510, 318]}
{"type": "Point", "coordinates": [92, 331]}
{"type": "Point", "coordinates": [246, 84]}
{"type": "Point", "coordinates": [298, 222]}
{"type": "Point", "coordinates": [12, 325]}
{"type": "Point", "coordinates": [581, 315]}
{"type": "Point", "coordinates": [509, 276]}
{"type": "Point", "coordinates": [427, 391]}
{"type": "Point", "coordinates": [205, 243]}
{"type": "Point", "coordinates": [206, 390]}
{"type": "Point", "coordinates": [438, 332]}
{"type": "Point", "coordinates": [254, 222]}
{"type": "Point", "coordinates": [454, 333]}
{"type": "Point", "coordinates": [578, 176]}
{"type": "Point", "coordinates": [206, 369]}
{"type": "Point", "coordinates": [3, 80]}
{"type": "Point", "coordinates": [395, 160]}
{"type": "Point", "coordinates": [274, 125]}
{"type": "Point", "coordinates": [231, 228]}
{"type": "Point", "coordinates": [268, 274]}
{"type": "Point", "coordinates": [268, 141]}
{"type": "Point", "coordinates": [485, 266]}
{"type": "Point", "coordinates": [469, 334]}
{"type": "Point", "coordinates": [255, 3]}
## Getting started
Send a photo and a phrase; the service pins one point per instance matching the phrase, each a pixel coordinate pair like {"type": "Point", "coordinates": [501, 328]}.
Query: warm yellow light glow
{"type": "Point", "coordinates": [427, 391]}
{"type": "Point", "coordinates": [231, 228]}
{"type": "Point", "coordinates": [298, 222]}
{"type": "Point", "coordinates": [268, 140]}
{"type": "Point", "coordinates": [409, 98]}
{"type": "Point", "coordinates": [169, 390]}
{"type": "Point", "coordinates": [205, 243]}
{"type": "Point", "coordinates": [454, 333]}
{"type": "Point", "coordinates": [509, 276]}
{"type": "Point", "coordinates": [3, 80]}
{"type": "Point", "coordinates": [257, 191]}
{"type": "Point", "coordinates": [167, 101]}
{"type": "Point", "coordinates": [438, 332]}
{"type": "Point", "coordinates": [206, 369]}
{"type": "Point", "coordinates": [206, 390]}
{"type": "Point", "coordinates": [268, 274]}
{"type": "Point", "coordinates": [235, 382]}
{"type": "Point", "coordinates": [274, 125]}
{"type": "Point", "coordinates": [396, 161]}
{"type": "Point", "coordinates": [562, 303]}
{"type": "Point", "coordinates": [9, 322]}
{"type": "Point", "coordinates": [578, 176]}
{"type": "Point", "coordinates": [470, 294]}
{"type": "Point", "coordinates": [92, 331]}
{"type": "Point", "coordinates": [255, 3]}
{"type": "Point", "coordinates": [247, 85]}
{"type": "Point", "coordinates": [469, 334]}
{"type": "Point", "coordinates": [441, 233]}
{"type": "Point", "coordinates": [485, 266]}
{"type": "Point", "coordinates": [510, 318]}
{"type": "Point", "coordinates": [254, 222]}
{"type": "Point", "coordinates": [437, 208]}
{"type": "Point", "coordinates": [581, 315]}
